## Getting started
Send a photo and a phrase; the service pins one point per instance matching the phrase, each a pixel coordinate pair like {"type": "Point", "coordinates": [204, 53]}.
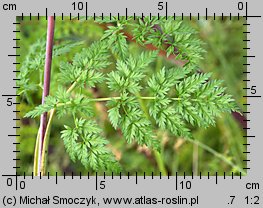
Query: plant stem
{"type": "Point", "coordinates": [102, 100]}
{"type": "Point", "coordinates": [36, 154]}
{"type": "Point", "coordinates": [43, 160]}
{"type": "Point", "coordinates": [118, 98]}
{"type": "Point", "coordinates": [72, 87]}
{"type": "Point", "coordinates": [212, 151]}
{"type": "Point", "coordinates": [46, 142]}
{"type": "Point", "coordinates": [160, 163]}
{"type": "Point", "coordinates": [47, 73]}
{"type": "Point", "coordinates": [195, 158]}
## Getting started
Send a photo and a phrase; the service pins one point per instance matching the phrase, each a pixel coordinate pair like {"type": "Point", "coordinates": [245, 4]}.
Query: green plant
{"type": "Point", "coordinates": [172, 98]}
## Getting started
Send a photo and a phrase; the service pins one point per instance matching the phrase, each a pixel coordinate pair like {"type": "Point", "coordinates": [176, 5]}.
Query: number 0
{"type": "Point", "coordinates": [9, 182]}
{"type": "Point", "coordinates": [22, 184]}
{"type": "Point", "coordinates": [240, 6]}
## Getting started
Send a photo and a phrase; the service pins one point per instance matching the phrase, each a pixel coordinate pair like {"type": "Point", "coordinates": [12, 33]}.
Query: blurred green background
{"type": "Point", "coordinates": [216, 149]}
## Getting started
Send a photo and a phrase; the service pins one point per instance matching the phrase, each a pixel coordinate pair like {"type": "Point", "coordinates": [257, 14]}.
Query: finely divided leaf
{"type": "Point", "coordinates": [50, 103]}
{"type": "Point", "coordinates": [84, 142]}
{"type": "Point", "coordinates": [114, 114]}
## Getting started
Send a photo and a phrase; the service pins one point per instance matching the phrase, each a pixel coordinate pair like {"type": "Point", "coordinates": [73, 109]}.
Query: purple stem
{"type": "Point", "coordinates": [47, 73]}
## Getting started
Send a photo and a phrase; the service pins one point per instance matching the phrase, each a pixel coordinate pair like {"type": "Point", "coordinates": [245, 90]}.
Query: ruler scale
{"type": "Point", "coordinates": [124, 189]}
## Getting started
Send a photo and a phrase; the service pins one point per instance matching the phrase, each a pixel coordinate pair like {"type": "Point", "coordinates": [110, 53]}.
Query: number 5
{"type": "Point", "coordinates": [9, 101]}
{"type": "Point", "coordinates": [160, 5]}
{"type": "Point", "coordinates": [253, 90]}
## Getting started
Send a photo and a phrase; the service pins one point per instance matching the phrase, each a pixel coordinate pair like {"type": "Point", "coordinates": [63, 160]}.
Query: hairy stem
{"type": "Point", "coordinates": [47, 73]}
